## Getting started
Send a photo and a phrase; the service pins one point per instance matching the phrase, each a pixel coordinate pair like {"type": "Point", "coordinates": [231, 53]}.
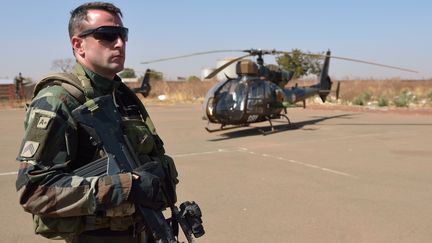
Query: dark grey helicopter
{"type": "Point", "coordinates": [258, 92]}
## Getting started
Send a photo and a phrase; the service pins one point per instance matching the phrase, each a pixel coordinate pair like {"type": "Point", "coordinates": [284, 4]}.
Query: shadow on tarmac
{"type": "Point", "coordinates": [260, 131]}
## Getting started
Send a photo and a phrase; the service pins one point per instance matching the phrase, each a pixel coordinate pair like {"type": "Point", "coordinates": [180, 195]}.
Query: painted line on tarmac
{"type": "Point", "coordinates": [245, 150]}
{"type": "Point", "coordinates": [9, 173]}
{"type": "Point", "coordinates": [301, 163]}
{"type": "Point", "coordinates": [206, 152]}
{"type": "Point", "coordinates": [176, 155]}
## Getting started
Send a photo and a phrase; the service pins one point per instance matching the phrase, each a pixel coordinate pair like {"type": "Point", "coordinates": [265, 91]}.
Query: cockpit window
{"type": "Point", "coordinates": [230, 100]}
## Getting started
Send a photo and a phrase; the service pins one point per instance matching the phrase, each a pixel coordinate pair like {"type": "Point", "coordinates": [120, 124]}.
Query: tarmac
{"type": "Point", "coordinates": [331, 176]}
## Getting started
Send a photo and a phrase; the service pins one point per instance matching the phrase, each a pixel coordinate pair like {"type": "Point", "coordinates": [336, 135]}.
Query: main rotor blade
{"type": "Point", "coordinates": [212, 74]}
{"type": "Point", "coordinates": [190, 55]}
{"type": "Point", "coordinates": [354, 60]}
{"type": "Point", "coordinates": [374, 63]}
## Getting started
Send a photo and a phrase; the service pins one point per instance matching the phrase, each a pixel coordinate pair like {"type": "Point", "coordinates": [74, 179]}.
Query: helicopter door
{"type": "Point", "coordinates": [256, 98]}
{"type": "Point", "coordinates": [262, 101]}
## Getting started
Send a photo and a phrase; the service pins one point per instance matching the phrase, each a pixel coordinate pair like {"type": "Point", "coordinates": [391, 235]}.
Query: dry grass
{"type": "Point", "coordinates": [194, 91]}
{"type": "Point", "coordinates": [179, 91]}
{"type": "Point", "coordinates": [14, 104]}
{"type": "Point", "coordinates": [419, 90]}
{"type": "Point", "coordinates": [390, 88]}
{"type": "Point", "coordinates": [376, 91]}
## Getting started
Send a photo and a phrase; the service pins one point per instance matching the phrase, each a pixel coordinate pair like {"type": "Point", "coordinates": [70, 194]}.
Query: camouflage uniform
{"type": "Point", "coordinates": [18, 86]}
{"type": "Point", "coordinates": [65, 206]}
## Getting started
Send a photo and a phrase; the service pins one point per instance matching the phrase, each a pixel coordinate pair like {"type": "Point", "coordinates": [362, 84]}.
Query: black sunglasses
{"type": "Point", "coordinates": [107, 33]}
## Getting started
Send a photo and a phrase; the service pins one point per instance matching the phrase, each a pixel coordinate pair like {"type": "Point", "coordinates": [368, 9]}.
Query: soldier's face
{"type": "Point", "coordinates": [105, 56]}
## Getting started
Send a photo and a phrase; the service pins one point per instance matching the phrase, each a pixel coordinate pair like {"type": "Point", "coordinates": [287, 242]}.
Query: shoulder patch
{"type": "Point", "coordinates": [43, 122]}
{"type": "Point", "coordinates": [29, 149]}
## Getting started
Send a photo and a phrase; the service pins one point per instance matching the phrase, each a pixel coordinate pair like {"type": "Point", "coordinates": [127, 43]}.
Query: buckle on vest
{"type": "Point", "coordinates": [91, 105]}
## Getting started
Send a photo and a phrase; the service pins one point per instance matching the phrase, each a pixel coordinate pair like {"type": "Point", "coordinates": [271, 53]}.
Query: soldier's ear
{"type": "Point", "coordinates": [77, 45]}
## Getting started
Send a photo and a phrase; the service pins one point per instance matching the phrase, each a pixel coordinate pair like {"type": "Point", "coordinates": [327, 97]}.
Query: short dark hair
{"type": "Point", "coordinates": [79, 14]}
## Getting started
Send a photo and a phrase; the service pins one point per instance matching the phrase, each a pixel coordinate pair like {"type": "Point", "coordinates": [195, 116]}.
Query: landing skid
{"type": "Point", "coordinates": [272, 129]}
{"type": "Point", "coordinates": [224, 128]}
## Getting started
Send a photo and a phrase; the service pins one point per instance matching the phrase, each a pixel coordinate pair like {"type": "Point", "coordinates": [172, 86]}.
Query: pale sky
{"type": "Point", "coordinates": [34, 33]}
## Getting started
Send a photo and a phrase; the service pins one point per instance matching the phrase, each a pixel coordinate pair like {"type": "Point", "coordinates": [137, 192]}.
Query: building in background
{"type": "Point", "coordinates": [205, 72]}
{"type": "Point", "coordinates": [229, 71]}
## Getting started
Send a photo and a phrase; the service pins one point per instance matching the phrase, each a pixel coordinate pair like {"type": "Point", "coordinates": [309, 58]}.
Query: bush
{"type": "Point", "coordinates": [383, 101]}
{"type": "Point", "coordinates": [127, 73]}
{"type": "Point", "coordinates": [404, 99]}
{"type": "Point", "coordinates": [193, 79]}
{"type": "Point", "coordinates": [429, 95]}
{"type": "Point", "coordinates": [362, 99]}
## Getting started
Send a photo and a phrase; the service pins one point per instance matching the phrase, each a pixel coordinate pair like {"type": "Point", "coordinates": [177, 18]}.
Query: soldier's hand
{"type": "Point", "coordinates": [146, 186]}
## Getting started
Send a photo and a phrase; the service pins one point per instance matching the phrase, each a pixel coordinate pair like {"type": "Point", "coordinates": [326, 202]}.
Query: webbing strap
{"type": "Point", "coordinates": [85, 82]}
{"type": "Point", "coordinates": [75, 92]}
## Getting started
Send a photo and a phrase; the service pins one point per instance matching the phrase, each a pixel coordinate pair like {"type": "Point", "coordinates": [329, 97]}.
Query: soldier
{"type": "Point", "coordinates": [98, 208]}
{"type": "Point", "coordinates": [18, 86]}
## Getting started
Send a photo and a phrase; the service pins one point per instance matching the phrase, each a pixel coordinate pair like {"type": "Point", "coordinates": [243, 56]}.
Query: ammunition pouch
{"type": "Point", "coordinates": [139, 136]}
{"type": "Point", "coordinates": [144, 145]}
{"type": "Point", "coordinates": [57, 228]}
{"type": "Point", "coordinates": [171, 172]}
{"type": "Point", "coordinates": [63, 228]}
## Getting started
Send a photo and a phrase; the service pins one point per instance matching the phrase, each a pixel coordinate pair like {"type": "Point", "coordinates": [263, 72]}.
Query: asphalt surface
{"type": "Point", "coordinates": [334, 176]}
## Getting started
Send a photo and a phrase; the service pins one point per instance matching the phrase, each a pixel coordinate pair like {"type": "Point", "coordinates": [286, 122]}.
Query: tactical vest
{"type": "Point", "coordinates": [80, 88]}
{"type": "Point", "coordinates": [137, 130]}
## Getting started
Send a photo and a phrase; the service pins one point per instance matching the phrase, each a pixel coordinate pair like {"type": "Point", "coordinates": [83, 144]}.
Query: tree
{"type": "Point", "coordinates": [155, 75]}
{"type": "Point", "coordinates": [63, 65]}
{"type": "Point", "coordinates": [301, 63]}
{"type": "Point", "coordinates": [127, 73]}
{"type": "Point", "coordinates": [193, 78]}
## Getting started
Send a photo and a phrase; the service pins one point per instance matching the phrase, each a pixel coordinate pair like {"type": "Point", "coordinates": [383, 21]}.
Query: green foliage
{"type": "Point", "coordinates": [383, 101]}
{"type": "Point", "coordinates": [358, 101]}
{"type": "Point", "coordinates": [127, 73]}
{"type": "Point", "coordinates": [429, 95]}
{"type": "Point", "coordinates": [155, 75]}
{"type": "Point", "coordinates": [193, 78]}
{"type": "Point", "coordinates": [362, 99]}
{"type": "Point", "coordinates": [301, 63]}
{"type": "Point", "coordinates": [404, 99]}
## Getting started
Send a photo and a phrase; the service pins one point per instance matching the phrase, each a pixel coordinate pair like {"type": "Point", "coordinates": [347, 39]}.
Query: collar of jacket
{"type": "Point", "coordinates": [101, 85]}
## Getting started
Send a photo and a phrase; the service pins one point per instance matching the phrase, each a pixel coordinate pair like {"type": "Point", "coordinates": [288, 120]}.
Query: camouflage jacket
{"type": "Point", "coordinates": [53, 146]}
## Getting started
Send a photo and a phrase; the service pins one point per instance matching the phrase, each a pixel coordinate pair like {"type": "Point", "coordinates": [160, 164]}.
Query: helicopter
{"type": "Point", "coordinates": [258, 93]}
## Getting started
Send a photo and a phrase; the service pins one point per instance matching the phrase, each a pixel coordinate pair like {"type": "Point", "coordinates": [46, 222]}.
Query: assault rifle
{"type": "Point", "coordinates": [101, 119]}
